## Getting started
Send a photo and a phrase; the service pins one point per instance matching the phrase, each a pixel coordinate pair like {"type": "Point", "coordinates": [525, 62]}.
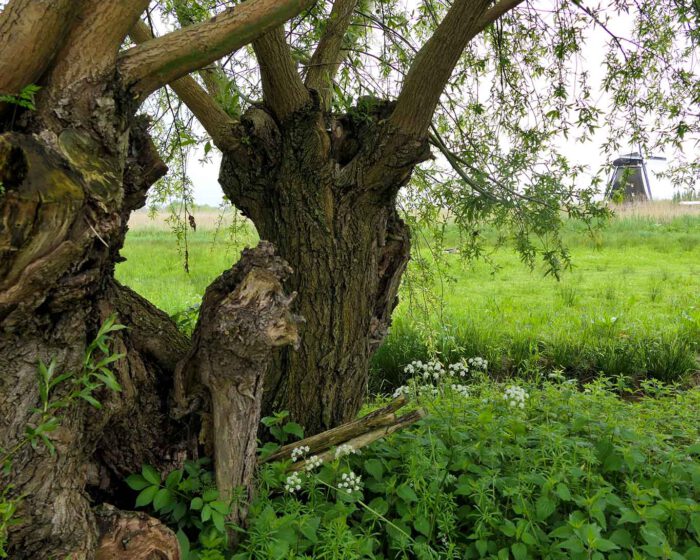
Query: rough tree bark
{"type": "Point", "coordinates": [72, 172]}
{"type": "Point", "coordinates": [342, 231]}
{"type": "Point", "coordinates": [323, 188]}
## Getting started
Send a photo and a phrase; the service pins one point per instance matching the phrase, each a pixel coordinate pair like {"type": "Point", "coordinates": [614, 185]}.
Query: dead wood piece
{"type": "Point", "coordinates": [365, 439]}
{"type": "Point", "coordinates": [130, 535]}
{"type": "Point", "coordinates": [381, 417]}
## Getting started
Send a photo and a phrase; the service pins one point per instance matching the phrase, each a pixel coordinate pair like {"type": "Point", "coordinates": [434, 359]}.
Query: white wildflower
{"type": "Point", "coordinates": [299, 452]}
{"type": "Point", "coordinates": [313, 463]}
{"type": "Point", "coordinates": [403, 390]}
{"type": "Point", "coordinates": [460, 389]}
{"type": "Point", "coordinates": [458, 370]}
{"type": "Point", "coordinates": [293, 483]}
{"type": "Point", "coordinates": [350, 482]}
{"type": "Point", "coordinates": [344, 449]}
{"type": "Point", "coordinates": [515, 396]}
{"type": "Point", "coordinates": [478, 363]}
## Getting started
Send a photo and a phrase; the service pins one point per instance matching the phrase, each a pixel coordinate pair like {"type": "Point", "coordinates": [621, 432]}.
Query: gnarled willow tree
{"type": "Point", "coordinates": [350, 105]}
{"type": "Point", "coordinates": [72, 168]}
{"type": "Point", "coordinates": [322, 123]}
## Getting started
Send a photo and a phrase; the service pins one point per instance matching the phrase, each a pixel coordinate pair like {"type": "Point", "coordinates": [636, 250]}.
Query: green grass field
{"type": "Point", "coordinates": [630, 305]}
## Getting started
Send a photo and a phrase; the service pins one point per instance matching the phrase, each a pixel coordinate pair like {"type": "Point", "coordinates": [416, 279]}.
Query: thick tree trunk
{"type": "Point", "coordinates": [63, 218]}
{"type": "Point", "coordinates": [62, 221]}
{"type": "Point", "coordinates": [313, 194]}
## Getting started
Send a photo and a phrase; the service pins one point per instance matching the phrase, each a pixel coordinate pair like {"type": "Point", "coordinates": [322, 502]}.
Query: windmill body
{"type": "Point", "coordinates": [629, 180]}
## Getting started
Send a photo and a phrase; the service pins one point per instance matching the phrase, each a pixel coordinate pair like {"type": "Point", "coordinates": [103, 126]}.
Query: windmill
{"type": "Point", "coordinates": [629, 180]}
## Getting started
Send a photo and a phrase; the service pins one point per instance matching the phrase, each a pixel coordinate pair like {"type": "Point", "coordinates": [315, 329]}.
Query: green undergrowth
{"type": "Point", "coordinates": [498, 471]}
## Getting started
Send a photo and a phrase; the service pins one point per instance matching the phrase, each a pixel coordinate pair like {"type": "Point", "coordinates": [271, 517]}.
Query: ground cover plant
{"type": "Point", "coordinates": [628, 306]}
{"type": "Point", "coordinates": [497, 470]}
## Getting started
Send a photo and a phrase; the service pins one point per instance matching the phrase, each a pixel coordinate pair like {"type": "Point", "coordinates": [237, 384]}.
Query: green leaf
{"type": "Point", "coordinates": [519, 551]}
{"type": "Point", "coordinates": [136, 482]}
{"type": "Point", "coordinates": [210, 494]}
{"type": "Point", "coordinates": [179, 511]}
{"type": "Point", "coordinates": [184, 543]}
{"type": "Point", "coordinates": [422, 525]}
{"type": "Point", "coordinates": [173, 479]}
{"type": "Point", "coordinates": [406, 493]}
{"type": "Point", "coordinates": [197, 503]}
{"type": "Point", "coordinates": [309, 527]}
{"type": "Point", "coordinates": [146, 496]}
{"type": "Point", "coordinates": [219, 521]}
{"type": "Point", "coordinates": [379, 505]}
{"type": "Point", "coordinates": [623, 538]}
{"type": "Point", "coordinates": [294, 429]}
{"type": "Point", "coordinates": [162, 499]}
{"type": "Point", "coordinates": [604, 545]}
{"type": "Point", "coordinates": [90, 399]}
{"type": "Point", "coordinates": [545, 507]}
{"type": "Point", "coordinates": [375, 468]}
{"type": "Point", "coordinates": [562, 490]}
{"type": "Point", "coordinates": [268, 449]}
{"type": "Point", "coordinates": [150, 474]}
{"type": "Point", "coordinates": [206, 513]}
{"type": "Point", "coordinates": [221, 507]}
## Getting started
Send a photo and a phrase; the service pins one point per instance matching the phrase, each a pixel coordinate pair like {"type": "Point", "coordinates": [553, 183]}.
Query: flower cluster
{"type": "Point", "coordinates": [458, 369]}
{"type": "Point", "coordinates": [403, 390]}
{"type": "Point", "coordinates": [462, 390]}
{"type": "Point", "coordinates": [313, 463]}
{"type": "Point", "coordinates": [293, 483]}
{"type": "Point", "coordinates": [430, 370]}
{"type": "Point", "coordinates": [344, 449]}
{"type": "Point", "coordinates": [350, 482]}
{"type": "Point", "coordinates": [299, 452]}
{"type": "Point", "coordinates": [515, 396]}
{"type": "Point", "coordinates": [478, 363]}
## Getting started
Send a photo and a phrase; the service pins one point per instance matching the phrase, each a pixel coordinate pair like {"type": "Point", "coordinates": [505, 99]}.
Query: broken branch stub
{"type": "Point", "coordinates": [244, 316]}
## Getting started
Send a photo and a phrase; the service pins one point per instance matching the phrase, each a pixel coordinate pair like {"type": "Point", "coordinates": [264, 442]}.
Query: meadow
{"type": "Point", "coordinates": [630, 304]}
{"type": "Point", "coordinates": [561, 415]}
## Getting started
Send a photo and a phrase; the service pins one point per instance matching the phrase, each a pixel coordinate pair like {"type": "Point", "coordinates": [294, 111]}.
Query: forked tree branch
{"type": "Point", "coordinates": [494, 12]}
{"type": "Point", "coordinates": [218, 124]}
{"type": "Point", "coordinates": [92, 45]}
{"type": "Point", "coordinates": [325, 61]}
{"type": "Point", "coordinates": [160, 61]}
{"type": "Point", "coordinates": [283, 89]}
{"type": "Point", "coordinates": [436, 60]}
{"type": "Point", "coordinates": [31, 31]}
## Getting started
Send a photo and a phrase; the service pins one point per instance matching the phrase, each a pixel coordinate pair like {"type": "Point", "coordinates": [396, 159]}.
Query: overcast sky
{"type": "Point", "coordinates": [207, 190]}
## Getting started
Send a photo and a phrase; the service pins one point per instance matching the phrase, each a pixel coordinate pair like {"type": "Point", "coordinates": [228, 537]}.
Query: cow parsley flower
{"type": "Point", "coordinates": [299, 452]}
{"type": "Point", "coordinates": [350, 482]}
{"type": "Point", "coordinates": [344, 449]}
{"type": "Point", "coordinates": [403, 390]}
{"type": "Point", "coordinates": [293, 483]}
{"type": "Point", "coordinates": [458, 369]}
{"type": "Point", "coordinates": [460, 389]}
{"type": "Point", "coordinates": [313, 463]}
{"type": "Point", "coordinates": [478, 363]}
{"type": "Point", "coordinates": [515, 396]}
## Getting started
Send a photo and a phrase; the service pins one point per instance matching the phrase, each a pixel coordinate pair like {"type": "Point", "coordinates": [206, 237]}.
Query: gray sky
{"type": "Point", "coordinates": [207, 190]}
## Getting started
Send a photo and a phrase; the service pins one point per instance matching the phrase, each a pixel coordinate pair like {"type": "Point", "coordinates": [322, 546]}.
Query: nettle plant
{"type": "Point", "coordinates": [516, 470]}
{"type": "Point", "coordinates": [503, 470]}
